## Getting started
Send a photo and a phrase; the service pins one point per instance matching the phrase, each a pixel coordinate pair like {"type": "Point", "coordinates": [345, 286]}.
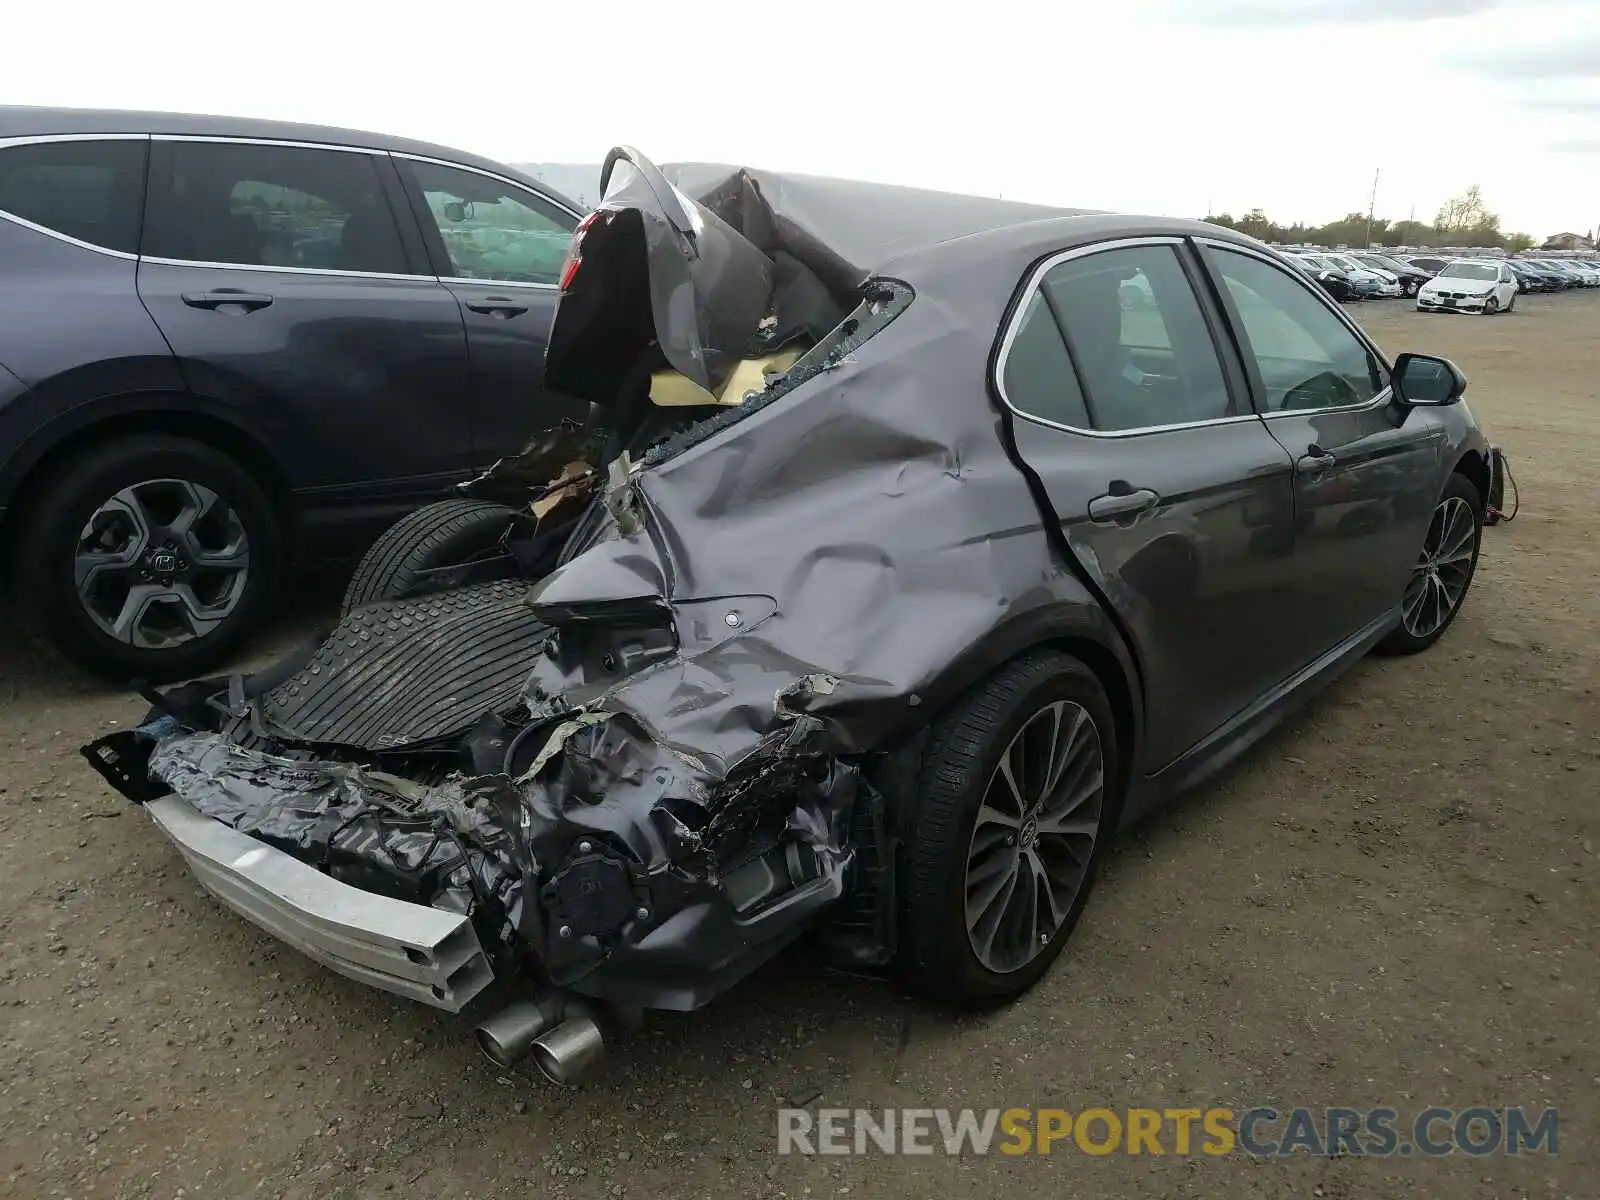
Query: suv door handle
{"type": "Point", "coordinates": [498, 306]}
{"type": "Point", "coordinates": [1314, 461]}
{"type": "Point", "coordinates": [1120, 504]}
{"type": "Point", "coordinates": [225, 298]}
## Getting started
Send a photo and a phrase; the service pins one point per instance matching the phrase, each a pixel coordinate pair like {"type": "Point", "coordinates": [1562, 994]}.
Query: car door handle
{"type": "Point", "coordinates": [1119, 505]}
{"type": "Point", "coordinates": [1314, 461]}
{"type": "Point", "coordinates": [227, 298]}
{"type": "Point", "coordinates": [497, 306]}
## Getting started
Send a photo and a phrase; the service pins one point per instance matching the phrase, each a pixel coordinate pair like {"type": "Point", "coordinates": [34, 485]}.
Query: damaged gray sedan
{"type": "Point", "coordinates": [915, 543]}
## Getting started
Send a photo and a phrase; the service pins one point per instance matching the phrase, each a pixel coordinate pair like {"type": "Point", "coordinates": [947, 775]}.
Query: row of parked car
{"type": "Point", "coordinates": [1474, 284]}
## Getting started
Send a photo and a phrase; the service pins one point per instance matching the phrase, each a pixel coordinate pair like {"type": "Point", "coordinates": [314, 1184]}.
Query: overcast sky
{"type": "Point", "coordinates": [1166, 106]}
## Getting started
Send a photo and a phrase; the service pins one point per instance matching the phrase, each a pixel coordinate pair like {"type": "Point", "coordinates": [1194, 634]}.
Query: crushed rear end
{"type": "Point", "coordinates": [647, 745]}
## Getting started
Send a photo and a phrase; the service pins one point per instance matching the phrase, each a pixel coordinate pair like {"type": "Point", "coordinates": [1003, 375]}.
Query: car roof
{"type": "Point", "coordinates": [27, 121]}
{"type": "Point", "coordinates": [866, 223]}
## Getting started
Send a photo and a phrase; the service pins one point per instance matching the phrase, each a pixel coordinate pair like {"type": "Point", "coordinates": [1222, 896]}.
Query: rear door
{"type": "Point", "coordinates": [499, 247]}
{"type": "Point", "coordinates": [1170, 492]}
{"type": "Point", "coordinates": [283, 283]}
{"type": "Point", "coordinates": [1365, 476]}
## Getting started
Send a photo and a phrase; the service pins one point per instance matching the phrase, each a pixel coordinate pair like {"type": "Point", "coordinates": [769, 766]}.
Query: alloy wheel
{"type": "Point", "coordinates": [161, 563]}
{"type": "Point", "coordinates": [1440, 578]}
{"type": "Point", "coordinates": [1034, 836]}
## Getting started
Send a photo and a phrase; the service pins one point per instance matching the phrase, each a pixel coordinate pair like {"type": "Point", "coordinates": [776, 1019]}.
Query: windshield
{"type": "Point", "coordinates": [1343, 263]}
{"type": "Point", "coordinates": [1465, 270]}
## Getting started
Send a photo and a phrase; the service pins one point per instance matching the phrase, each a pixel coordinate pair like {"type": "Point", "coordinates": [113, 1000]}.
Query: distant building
{"type": "Point", "coordinates": [1568, 241]}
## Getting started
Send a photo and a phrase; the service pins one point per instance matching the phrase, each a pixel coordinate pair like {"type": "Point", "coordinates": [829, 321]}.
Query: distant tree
{"type": "Point", "coordinates": [1519, 241]}
{"type": "Point", "coordinates": [1410, 233]}
{"type": "Point", "coordinates": [1465, 220]}
{"type": "Point", "coordinates": [1349, 230]}
{"type": "Point", "coordinates": [1257, 225]}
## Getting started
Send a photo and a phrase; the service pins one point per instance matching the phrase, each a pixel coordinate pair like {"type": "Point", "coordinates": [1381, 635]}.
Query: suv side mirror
{"type": "Point", "coordinates": [1426, 379]}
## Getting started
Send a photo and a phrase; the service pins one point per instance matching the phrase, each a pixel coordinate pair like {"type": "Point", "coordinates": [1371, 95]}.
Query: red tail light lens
{"type": "Point", "coordinates": [569, 269]}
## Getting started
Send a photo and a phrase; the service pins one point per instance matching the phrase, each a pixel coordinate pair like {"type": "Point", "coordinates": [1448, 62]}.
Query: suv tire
{"type": "Point", "coordinates": [161, 537]}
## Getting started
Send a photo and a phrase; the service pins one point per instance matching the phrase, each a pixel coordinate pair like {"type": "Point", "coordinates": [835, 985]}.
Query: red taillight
{"type": "Point", "coordinates": [569, 269]}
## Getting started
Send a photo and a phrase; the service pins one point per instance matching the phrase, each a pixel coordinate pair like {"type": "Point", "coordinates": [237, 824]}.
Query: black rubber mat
{"type": "Point", "coordinates": [402, 672]}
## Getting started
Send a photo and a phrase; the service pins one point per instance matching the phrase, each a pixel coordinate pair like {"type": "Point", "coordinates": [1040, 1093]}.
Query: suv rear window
{"type": "Point", "coordinates": [89, 190]}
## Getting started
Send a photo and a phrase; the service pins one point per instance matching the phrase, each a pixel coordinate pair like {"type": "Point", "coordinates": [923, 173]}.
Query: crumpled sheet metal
{"type": "Point", "coordinates": [441, 846]}
{"type": "Point", "coordinates": [844, 230]}
{"type": "Point", "coordinates": [485, 845]}
{"type": "Point", "coordinates": [882, 525]}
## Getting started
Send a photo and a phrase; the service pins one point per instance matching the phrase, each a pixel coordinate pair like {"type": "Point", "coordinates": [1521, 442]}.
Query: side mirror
{"type": "Point", "coordinates": [1423, 379]}
{"type": "Point", "coordinates": [455, 211]}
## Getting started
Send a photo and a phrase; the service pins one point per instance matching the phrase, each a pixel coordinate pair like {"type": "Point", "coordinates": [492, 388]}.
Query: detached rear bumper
{"type": "Point", "coordinates": [421, 953]}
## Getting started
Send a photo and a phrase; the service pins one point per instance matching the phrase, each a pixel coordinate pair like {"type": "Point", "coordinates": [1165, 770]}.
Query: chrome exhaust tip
{"type": "Point", "coordinates": [508, 1036]}
{"type": "Point", "coordinates": [568, 1052]}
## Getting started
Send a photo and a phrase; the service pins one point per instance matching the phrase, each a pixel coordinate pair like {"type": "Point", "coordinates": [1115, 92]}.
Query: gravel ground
{"type": "Point", "coordinates": [1391, 901]}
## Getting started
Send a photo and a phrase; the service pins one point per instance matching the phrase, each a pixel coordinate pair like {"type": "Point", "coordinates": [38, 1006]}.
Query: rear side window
{"type": "Point", "coordinates": [1038, 378]}
{"type": "Point", "coordinates": [1115, 341]}
{"type": "Point", "coordinates": [243, 204]}
{"type": "Point", "coordinates": [89, 190]}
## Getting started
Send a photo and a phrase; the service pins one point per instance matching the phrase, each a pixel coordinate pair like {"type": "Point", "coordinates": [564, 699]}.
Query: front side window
{"type": "Point", "coordinates": [90, 190]}
{"type": "Point", "coordinates": [1115, 341]}
{"type": "Point", "coordinates": [1307, 356]}
{"type": "Point", "coordinates": [244, 204]}
{"type": "Point", "coordinates": [494, 230]}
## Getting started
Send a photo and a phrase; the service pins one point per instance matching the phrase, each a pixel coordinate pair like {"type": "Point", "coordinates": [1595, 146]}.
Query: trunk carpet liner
{"type": "Point", "coordinates": [402, 672]}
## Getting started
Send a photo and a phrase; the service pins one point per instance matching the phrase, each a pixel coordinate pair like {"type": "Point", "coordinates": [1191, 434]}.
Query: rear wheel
{"type": "Point", "coordinates": [1444, 570]}
{"type": "Point", "coordinates": [149, 558]}
{"type": "Point", "coordinates": [1014, 808]}
{"type": "Point", "coordinates": [1511, 303]}
{"type": "Point", "coordinates": [406, 560]}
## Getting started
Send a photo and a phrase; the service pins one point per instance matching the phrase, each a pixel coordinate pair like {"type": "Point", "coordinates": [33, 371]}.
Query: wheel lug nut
{"type": "Point", "coordinates": [1011, 839]}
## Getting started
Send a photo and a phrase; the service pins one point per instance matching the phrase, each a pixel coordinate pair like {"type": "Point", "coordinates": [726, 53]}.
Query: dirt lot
{"type": "Point", "coordinates": [1392, 901]}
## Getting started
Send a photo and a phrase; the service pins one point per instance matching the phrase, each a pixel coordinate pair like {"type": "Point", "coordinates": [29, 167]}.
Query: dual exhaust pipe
{"type": "Point", "coordinates": [559, 1030]}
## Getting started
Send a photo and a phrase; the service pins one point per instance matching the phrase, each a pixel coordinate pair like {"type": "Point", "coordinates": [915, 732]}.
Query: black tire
{"type": "Point", "coordinates": [438, 535]}
{"type": "Point", "coordinates": [1491, 306]}
{"type": "Point", "coordinates": [962, 755]}
{"type": "Point", "coordinates": [1511, 304]}
{"type": "Point", "coordinates": [1402, 640]}
{"type": "Point", "coordinates": [47, 543]}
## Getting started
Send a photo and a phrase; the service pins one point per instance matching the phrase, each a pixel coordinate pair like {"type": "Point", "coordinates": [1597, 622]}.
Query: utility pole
{"type": "Point", "coordinates": [1372, 206]}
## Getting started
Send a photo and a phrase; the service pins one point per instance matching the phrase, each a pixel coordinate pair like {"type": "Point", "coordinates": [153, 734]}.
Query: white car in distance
{"type": "Point", "coordinates": [1470, 285]}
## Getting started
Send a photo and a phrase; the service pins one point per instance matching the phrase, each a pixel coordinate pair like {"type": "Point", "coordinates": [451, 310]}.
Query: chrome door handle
{"type": "Point", "coordinates": [1314, 461]}
{"type": "Point", "coordinates": [1120, 505]}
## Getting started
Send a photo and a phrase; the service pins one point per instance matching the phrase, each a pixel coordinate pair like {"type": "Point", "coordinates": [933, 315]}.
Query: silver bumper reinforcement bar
{"type": "Point", "coordinates": [412, 950]}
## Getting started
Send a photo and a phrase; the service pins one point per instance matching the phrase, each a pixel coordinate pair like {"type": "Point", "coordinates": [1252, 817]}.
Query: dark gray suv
{"type": "Point", "coordinates": [225, 341]}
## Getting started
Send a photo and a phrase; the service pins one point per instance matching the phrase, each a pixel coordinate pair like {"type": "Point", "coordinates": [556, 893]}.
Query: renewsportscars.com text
{"type": "Point", "coordinates": [1430, 1132]}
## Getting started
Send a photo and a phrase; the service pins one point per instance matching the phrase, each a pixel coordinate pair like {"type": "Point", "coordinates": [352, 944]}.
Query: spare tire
{"type": "Point", "coordinates": [445, 534]}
